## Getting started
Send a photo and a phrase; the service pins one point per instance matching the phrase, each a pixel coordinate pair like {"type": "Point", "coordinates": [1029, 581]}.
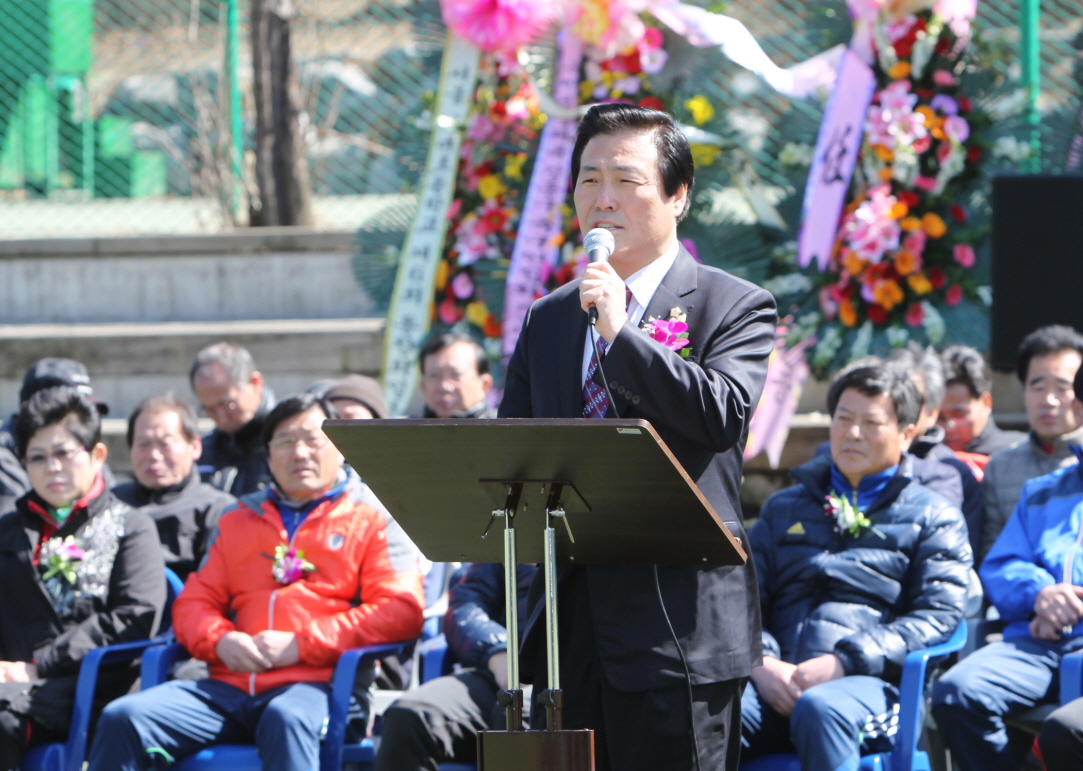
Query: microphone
{"type": "Point", "coordinates": [599, 244]}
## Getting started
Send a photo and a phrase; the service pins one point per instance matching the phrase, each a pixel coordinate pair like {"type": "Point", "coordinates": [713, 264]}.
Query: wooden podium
{"type": "Point", "coordinates": [573, 492]}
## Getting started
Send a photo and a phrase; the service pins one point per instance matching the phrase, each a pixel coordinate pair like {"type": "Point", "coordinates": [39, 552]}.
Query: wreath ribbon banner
{"type": "Point", "coordinates": [542, 219]}
{"type": "Point", "coordinates": [411, 304]}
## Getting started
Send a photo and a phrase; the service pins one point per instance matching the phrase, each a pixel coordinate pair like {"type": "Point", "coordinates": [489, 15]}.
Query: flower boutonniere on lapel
{"type": "Point", "coordinates": [848, 518]}
{"type": "Point", "coordinates": [290, 565]}
{"type": "Point", "coordinates": [60, 556]}
{"type": "Point", "coordinates": [671, 332]}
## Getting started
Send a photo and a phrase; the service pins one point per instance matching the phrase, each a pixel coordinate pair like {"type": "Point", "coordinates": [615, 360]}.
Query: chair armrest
{"type": "Point", "coordinates": [341, 690]}
{"type": "Point", "coordinates": [75, 746]}
{"type": "Point", "coordinates": [1071, 677]}
{"type": "Point", "coordinates": [432, 655]}
{"type": "Point", "coordinates": [912, 696]}
{"type": "Point", "coordinates": [158, 661]}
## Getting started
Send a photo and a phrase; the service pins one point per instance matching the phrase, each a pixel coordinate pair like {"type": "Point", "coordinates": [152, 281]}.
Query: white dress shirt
{"type": "Point", "coordinates": [643, 284]}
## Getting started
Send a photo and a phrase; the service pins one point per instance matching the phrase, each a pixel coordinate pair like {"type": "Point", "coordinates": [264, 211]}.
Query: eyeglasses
{"type": "Point", "coordinates": [286, 443]}
{"type": "Point", "coordinates": [227, 404]}
{"type": "Point", "coordinates": [63, 455]}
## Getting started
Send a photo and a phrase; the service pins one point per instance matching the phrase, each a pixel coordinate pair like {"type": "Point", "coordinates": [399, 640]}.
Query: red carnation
{"type": "Point", "coordinates": [957, 212]}
{"type": "Point", "coordinates": [903, 49]}
{"type": "Point", "coordinates": [877, 314]}
{"type": "Point", "coordinates": [954, 295]}
{"type": "Point", "coordinates": [629, 62]}
{"type": "Point", "coordinates": [915, 314]}
{"type": "Point", "coordinates": [652, 103]}
{"type": "Point", "coordinates": [973, 153]}
{"type": "Point", "coordinates": [943, 45]}
{"type": "Point", "coordinates": [936, 277]}
{"type": "Point", "coordinates": [925, 94]}
{"type": "Point", "coordinates": [964, 103]}
{"type": "Point", "coordinates": [499, 109]}
{"type": "Point", "coordinates": [910, 198]}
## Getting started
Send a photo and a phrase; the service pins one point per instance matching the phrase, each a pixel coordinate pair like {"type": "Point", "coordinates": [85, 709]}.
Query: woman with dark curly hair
{"type": "Point", "coordinates": [78, 570]}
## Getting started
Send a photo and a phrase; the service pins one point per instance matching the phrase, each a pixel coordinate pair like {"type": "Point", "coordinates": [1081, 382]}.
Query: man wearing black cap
{"type": "Point", "coordinates": [42, 374]}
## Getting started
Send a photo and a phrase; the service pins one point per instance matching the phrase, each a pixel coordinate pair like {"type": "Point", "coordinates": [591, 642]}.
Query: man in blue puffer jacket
{"type": "Point", "coordinates": [1034, 576]}
{"type": "Point", "coordinates": [858, 566]}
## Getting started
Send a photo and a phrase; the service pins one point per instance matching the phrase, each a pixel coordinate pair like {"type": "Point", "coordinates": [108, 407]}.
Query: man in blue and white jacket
{"type": "Point", "coordinates": [1034, 576]}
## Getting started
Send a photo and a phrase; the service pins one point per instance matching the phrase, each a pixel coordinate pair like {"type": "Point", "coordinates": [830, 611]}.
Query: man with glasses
{"type": "Point", "coordinates": [231, 392]}
{"type": "Point", "coordinates": [297, 574]}
{"type": "Point", "coordinates": [164, 441]}
{"type": "Point", "coordinates": [455, 377]}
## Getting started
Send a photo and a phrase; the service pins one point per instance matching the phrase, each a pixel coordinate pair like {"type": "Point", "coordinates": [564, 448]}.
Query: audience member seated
{"type": "Point", "coordinates": [439, 721]}
{"type": "Point", "coordinates": [274, 605]}
{"type": "Point", "coordinates": [78, 570]}
{"type": "Point", "coordinates": [231, 392]}
{"type": "Point", "coordinates": [938, 477]}
{"type": "Point", "coordinates": [42, 374]}
{"type": "Point", "coordinates": [857, 567]}
{"type": "Point", "coordinates": [357, 397]}
{"type": "Point", "coordinates": [455, 379]}
{"type": "Point", "coordinates": [1047, 364]}
{"type": "Point", "coordinates": [927, 372]}
{"type": "Point", "coordinates": [163, 437]}
{"type": "Point", "coordinates": [966, 413]}
{"type": "Point", "coordinates": [1034, 578]}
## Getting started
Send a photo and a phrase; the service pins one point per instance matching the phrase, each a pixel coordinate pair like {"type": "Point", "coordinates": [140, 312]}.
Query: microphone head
{"type": "Point", "coordinates": [602, 239]}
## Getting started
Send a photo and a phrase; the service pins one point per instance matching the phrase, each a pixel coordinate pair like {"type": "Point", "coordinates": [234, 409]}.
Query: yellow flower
{"type": "Point", "coordinates": [477, 313]}
{"type": "Point", "coordinates": [899, 71]}
{"type": "Point", "coordinates": [609, 78]}
{"type": "Point", "coordinates": [847, 314]}
{"type": "Point", "coordinates": [933, 226]}
{"type": "Point", "coordinates": [441, 275]}
{"type": "Point", "coordinates": [910, 224]}
{"type": "Point", "coordinates": [905, 262]}
{"type": "Point", "coordinates": [513, 165]}
{"type": "Point", "coordinates": [899, 210]}
{"type": "Point", "coordinates": [926, 112]}
{"type": "Point", "coordinates": [586, 88]}
{"type": "Point", "coordinates": [853, 264]}
{"type": "Point", "coordinates": [701, 109]}
{"type": "Point", "coordinates": [704, 155]}
{"type": "Point", "coordinates": [885, 174]}
{"type": "Point", "coordinates": [491, 187]}
{"type": "Point", "coordinates": [919, 283]}
{"type": "Point", "coordinates": [887, 293]}
{"type": "Point", "coordinates": [884, 153]}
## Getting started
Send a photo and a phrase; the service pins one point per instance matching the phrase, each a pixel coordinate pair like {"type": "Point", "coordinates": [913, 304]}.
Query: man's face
{"type": "Point", "coordinates": [230, 405]}
{"type": "Point", "coordinates": [161, 454]}
{"type": "Point", "coordinates": [865, 436]}
{"type": "Point", "coordinates": [1048, 394]}
{"type": "Point", "coordinates": [450, 380]}
{"type": "Point", "coordinates": [962, 416]}
{"type": "Point", "coordinates": [620, 189]}
{"type": "Point", "coordinates": [303, 461]}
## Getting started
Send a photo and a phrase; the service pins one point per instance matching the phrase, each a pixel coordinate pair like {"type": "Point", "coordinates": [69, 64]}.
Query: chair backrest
{"type": "Point", "coordinates": [173, 587]}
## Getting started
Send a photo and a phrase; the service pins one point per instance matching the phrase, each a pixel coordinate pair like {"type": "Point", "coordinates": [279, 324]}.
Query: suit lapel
{"type": "Point", "coordinates": [569, 341]}
{"type": "Point", "coordinates": [674, 290]}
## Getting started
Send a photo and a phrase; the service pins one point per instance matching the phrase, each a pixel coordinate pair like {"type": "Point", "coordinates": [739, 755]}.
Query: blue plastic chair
{"type": "Point", "coordinates": [334, 750]}
{"type": "Point", "coordinates": [905, 756]}
{"type": "Point", "coordinates": [69, 755]}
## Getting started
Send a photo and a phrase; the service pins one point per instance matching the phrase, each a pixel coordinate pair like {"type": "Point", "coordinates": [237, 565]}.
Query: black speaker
{"type": "Point", "coordinates": [1037, 259]}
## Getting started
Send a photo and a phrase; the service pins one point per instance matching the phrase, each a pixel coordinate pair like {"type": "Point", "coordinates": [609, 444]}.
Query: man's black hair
{"type": "Point", "coordinates": [674, 155]}
{"type": "Point", "coordinates": [874, 379]}
{"type": "Point", "coordinates": [168, 402]}
{"type": "Point", "coordinates": [926, 363]}
{"type": "Point", "coordinates": [1077, 384]}
{"type": "Point", "coordinates": [439, 342]}
{"type": "Point", "coordinates": [1044, 341]}
{"type": "Point", "coordinates": [61, 405]}
{"type": "Point", "coordinates": [963, 364]}
{"type": "Point", "coordinates": [294, 405]}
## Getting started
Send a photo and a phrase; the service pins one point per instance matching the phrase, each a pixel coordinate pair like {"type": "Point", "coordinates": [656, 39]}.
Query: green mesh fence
{"type": "Point", "coordinates": [135, 116]}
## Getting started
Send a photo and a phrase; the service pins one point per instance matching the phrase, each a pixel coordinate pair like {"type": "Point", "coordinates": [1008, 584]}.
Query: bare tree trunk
{"type": "Point", "coordinates": [281, 167]}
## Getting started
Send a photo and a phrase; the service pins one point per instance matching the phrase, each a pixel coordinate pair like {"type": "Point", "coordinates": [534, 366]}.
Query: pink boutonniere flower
{"type": "Point", "coordinates": [290, 565]}
{"type": "Point", "coordinates": [671, 332]}
{"type": "Point", "coordinates": [60, 556]}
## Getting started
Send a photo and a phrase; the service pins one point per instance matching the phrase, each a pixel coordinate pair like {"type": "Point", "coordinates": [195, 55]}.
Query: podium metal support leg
{"type": "Point", "coordinates": [511, 699]}
{"type": "Point", "coordinates": [552, 698]}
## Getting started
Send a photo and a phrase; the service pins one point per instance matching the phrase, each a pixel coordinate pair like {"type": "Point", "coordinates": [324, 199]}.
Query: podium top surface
{"type": "Point", "coordinates": [627, 499]}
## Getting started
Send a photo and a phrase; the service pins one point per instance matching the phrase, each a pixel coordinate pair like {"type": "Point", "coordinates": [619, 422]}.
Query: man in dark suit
{"type": "Point", "coordinates": [626, 674]}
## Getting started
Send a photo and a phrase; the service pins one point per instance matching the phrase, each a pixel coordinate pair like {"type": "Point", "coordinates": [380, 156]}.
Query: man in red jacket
{"type": "Point", "coordinates": [297, 574]}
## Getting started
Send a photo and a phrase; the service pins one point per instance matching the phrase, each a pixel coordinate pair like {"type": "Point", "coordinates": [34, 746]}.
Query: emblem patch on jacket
{"type": "Point", "coordinates": [796, 529]}
{"type": "Point", "coordinates": [335, 541]}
